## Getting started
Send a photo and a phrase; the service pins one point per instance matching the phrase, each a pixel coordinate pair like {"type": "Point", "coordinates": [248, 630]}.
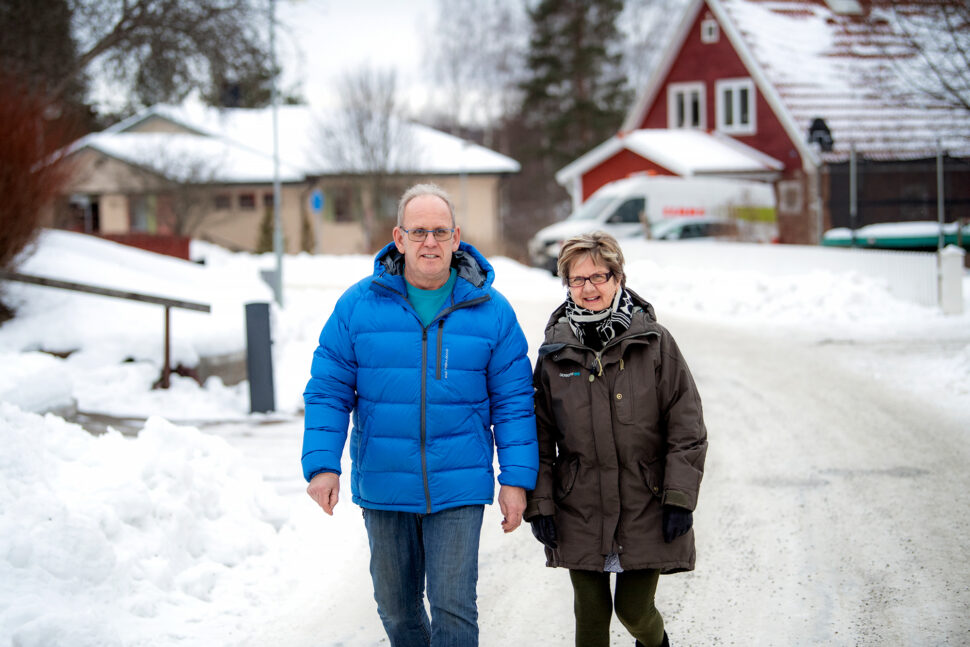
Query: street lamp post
{"type": "Point", "coordinates": [274, 99]}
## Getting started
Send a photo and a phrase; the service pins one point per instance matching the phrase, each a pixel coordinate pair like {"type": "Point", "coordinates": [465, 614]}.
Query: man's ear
{"type": "Point", "coordinates": [398, 236]}
{"type": "Point", "coordinates": [456, 239]}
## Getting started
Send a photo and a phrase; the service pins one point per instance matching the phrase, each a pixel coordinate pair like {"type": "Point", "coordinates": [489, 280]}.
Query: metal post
{"type": "Point", "coordinates": [939, 216]}
{"type": "Point", "coordinates": [939, 193]}
{"type": "Point", "coordinates": [259, 358]}
{"type": "Point", "coordinates": [277, 227]}
{"type": "Point", "coordinates": [463, 182]}
{"type": "Point", "coordinates": [853, 205]}
{"type": "Point", "coordinates": [167, 365]}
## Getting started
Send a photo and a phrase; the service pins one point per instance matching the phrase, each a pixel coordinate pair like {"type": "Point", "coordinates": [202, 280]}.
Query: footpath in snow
{"type": "Point", "coordinates": [833, 409]}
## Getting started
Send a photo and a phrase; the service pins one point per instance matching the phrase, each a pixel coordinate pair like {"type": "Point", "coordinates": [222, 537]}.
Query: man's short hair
{"type": "Point", "coordinates": [601, 248]}
{"type": "Point", "coordinates": [424, 189]}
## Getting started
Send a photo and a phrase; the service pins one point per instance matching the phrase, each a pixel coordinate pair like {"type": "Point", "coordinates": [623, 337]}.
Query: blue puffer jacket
{"type": "Point", "coordinates": [425, 401]}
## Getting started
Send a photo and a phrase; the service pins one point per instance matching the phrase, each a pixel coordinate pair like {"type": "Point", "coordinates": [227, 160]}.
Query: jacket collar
{"type": "Point", "coordinates": [561, 340]}
{"type": "Point", "coordinates": [468, 261]}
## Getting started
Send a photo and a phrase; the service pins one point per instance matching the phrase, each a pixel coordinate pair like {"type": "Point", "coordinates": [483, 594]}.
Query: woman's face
{"type": "Point", "coordinates": [592, 297]}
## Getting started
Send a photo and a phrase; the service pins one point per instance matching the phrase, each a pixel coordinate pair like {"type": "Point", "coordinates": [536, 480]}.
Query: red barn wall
{"type": "Point", "coordinates": [707, 63]}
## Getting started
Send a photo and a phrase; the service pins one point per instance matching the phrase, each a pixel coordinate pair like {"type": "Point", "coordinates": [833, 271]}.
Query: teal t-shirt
{"type": "Point", "coordinates": [427, 303]}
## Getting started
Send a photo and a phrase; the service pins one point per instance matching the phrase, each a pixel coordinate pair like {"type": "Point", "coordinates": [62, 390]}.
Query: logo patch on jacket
{"type": "Point", "coordinates": [573, 374]}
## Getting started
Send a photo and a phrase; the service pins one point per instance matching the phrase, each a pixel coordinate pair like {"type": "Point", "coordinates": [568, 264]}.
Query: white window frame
{"type": "Point", "coordinates": [677, 92]}
{"type": "Point", "coordinates": [710, 31]}
{"type": "Point", "coordinates": [735, 86]}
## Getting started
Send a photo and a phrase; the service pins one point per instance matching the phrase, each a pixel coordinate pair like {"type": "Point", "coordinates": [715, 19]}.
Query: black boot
{"type": "Point", "coordinates": [665, 643]}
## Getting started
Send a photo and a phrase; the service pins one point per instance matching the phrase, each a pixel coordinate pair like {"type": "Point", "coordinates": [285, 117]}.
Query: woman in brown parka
{"type": "Point", "coordinates": [621, 446]}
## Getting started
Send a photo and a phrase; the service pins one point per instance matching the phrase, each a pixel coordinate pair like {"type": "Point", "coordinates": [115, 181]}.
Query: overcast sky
{"type": "Point", "coordinates": [319, 39]}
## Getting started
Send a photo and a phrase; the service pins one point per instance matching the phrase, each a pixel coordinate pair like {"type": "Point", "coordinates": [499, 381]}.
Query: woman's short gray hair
{"type": "Point", "coordinates": [424, 189]}
{"type": "Point", "coordinates": [601, 248]}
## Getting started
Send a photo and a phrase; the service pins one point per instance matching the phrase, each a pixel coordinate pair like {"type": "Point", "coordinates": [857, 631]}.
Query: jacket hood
{"type": "Point", "coordinates": [468, 261]}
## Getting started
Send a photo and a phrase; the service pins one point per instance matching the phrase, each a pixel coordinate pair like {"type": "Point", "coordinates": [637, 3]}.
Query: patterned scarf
{"type": "Point", "coordinates": [596, 329]}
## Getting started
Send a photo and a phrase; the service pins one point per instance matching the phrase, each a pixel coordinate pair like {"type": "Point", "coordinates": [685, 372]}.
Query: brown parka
{"type": "Point", "coordinates": [621, 433]}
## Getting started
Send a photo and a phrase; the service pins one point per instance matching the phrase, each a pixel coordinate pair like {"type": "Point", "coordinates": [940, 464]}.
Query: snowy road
{"type": "Point", "coordinates": [833, 512]}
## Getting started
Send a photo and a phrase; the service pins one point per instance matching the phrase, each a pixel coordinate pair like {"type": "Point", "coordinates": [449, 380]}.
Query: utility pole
{"type": "Point", "coordinates": [853, 199]}
{"type": "Point", "coordinates": [277, 227]}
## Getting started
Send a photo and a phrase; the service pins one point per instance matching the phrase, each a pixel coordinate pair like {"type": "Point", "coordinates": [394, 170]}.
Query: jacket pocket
{"type": "Point", "coordinates": [566, 473]}
{"type": "Point", "coordinates": [624, 402]}
{"type": "Point", "coordinates": [652, 472]}
{"type": "Point", "coordinates": [364, 431]}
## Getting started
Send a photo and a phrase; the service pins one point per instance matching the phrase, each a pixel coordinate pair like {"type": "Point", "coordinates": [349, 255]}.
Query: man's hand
{"type": "Point", "coordinates": [324, 488]}
{"type": "Point", "coordinates": [511, 500]}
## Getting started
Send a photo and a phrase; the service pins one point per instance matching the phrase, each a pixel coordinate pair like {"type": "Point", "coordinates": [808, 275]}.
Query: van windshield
{"type": "Point", "coordinates": [591, 208]}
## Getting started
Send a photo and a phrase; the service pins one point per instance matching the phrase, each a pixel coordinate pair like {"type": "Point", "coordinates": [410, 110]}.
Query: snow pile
{"type": "Point", "coordinates": [33, 382]}
{"type": "Point", "coordinates": [114, 329]}
{"type": "Point", "coordinates": [104, 534]}
{"type": "Point", "coordinates": [828, 301]}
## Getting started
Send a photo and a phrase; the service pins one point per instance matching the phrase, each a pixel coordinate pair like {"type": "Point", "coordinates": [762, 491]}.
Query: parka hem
{"type": "Point", "coordinates": [665, 568]}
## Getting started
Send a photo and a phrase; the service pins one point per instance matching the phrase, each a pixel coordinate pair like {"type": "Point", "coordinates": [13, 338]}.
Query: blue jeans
{"type": "Point", "coordinates": [406, 548]}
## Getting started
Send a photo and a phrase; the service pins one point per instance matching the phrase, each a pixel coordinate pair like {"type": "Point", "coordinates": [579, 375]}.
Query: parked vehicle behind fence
{"type": "Point", "coordinates": [633, 206]}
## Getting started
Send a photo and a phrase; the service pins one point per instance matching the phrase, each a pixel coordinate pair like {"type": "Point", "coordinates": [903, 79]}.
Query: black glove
{"type": "Point", "coordinates": [544, 528]}
{"type": "Point", "coordinates": [677, 521]}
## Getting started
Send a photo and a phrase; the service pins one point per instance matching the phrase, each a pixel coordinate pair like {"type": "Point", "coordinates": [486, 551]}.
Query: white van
{"type": "Point", "coordinates": [630, 207]}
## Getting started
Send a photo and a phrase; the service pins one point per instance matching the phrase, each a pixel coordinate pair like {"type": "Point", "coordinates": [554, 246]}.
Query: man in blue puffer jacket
{"type": "Point", "coordinates": [432, 363]}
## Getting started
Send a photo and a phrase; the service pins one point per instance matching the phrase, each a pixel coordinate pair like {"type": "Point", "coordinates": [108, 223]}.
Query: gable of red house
{"type": "Point", "coordinates": [839, 63]}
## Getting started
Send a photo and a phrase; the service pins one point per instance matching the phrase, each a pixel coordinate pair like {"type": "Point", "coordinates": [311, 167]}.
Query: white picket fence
{"type": "Point", "coordinates": [912, 276]}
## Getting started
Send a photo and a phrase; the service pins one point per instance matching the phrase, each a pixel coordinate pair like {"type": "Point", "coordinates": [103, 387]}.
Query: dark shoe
{"type": "Point", "coordinates": [665, 643]}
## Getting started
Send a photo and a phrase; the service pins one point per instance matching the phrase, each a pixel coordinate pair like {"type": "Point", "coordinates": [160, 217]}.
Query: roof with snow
{"type": "Point", "coordinates": [238, 144]}
{"type": "Point", "coordinates": [864, 67]}
{"type": "Point", "coordinates": [684, 152]}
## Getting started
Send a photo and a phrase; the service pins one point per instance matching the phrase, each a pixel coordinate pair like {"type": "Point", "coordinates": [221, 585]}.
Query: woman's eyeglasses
{"type": "Point", "coordinates": [595, 279]}
{"type": "Point", "coordinates": [421, 235]}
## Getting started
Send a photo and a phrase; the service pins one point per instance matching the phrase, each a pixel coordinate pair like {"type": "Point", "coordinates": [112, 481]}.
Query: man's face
{"type": "Point", "coordinates": [427, 263]}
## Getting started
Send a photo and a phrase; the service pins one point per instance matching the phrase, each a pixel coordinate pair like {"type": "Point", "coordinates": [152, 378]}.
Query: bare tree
{"type": "Point", "coordinates": [478, 56]}
{"type": "Point", "coordinates": [185, 180]}
{"type": "Point", "coordinates": [162, 49]}
{"type": "Point", "coordinates": [647, 26]}
{"type": "Point", "coordinates": [933, 56]}
{"type": "Point", "coordinates": [368, 138]}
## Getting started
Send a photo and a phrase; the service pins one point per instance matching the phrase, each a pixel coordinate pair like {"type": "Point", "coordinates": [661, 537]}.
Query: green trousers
{"type": "Point", "coordinates": [593, 605]}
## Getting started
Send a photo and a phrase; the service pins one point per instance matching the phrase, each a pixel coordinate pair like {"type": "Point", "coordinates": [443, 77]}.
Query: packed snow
{"type": "Point", "coordinates": [186, 522]}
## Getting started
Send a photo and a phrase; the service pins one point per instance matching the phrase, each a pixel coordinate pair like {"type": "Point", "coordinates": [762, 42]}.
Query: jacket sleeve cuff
{"type": "Point", "coordinates": [523, 477]}
{"type": "Point", "coordinates": [538, 508]}
{"type": "Point", "coordinates": [679, 499]}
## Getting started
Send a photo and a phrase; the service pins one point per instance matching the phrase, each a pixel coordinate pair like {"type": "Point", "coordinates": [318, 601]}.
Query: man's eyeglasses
{"type": "Point", "coordinates": [595, 279]}
{"type": "Point", "coordinates": [421, 235]}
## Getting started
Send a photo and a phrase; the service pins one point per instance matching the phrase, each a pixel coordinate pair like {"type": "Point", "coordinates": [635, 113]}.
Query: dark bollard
{"type": "Point", "coordinates": [259, 358]}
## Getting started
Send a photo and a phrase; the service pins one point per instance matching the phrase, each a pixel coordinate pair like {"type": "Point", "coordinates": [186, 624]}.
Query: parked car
{"type": "Point", "coordinates": [627, 208]}
{"type": "Point", "coordinates": [695, 227]}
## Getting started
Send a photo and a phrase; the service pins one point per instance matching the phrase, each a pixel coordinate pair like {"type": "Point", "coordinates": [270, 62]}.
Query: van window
{"type": "Point", "coordinates": [591, 208]}
{"type": "Point", "coordinates": [628, 212]}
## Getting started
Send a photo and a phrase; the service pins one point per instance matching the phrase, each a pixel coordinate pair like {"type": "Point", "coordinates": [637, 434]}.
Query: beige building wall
{"type": "Point", "coordinates": [477, 209]}
{"type": "Point", "coordinates": [95, 173]}
{"type": "Point", "coordinates": [340, 238]}
{"type": "Point", "coordinates": [114, 213]}
{"type": "Point", "coordinates": [239, 227]}
{"type": "Point", "coordinates": [232, 224]}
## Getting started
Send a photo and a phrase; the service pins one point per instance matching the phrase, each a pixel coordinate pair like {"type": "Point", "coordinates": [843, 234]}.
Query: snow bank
{"type": "Point", "coordinates": [101, 535]}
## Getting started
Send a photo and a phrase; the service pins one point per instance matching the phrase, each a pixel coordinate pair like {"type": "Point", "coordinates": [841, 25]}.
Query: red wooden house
{"type": "Point", "coordinates": [784, 90]}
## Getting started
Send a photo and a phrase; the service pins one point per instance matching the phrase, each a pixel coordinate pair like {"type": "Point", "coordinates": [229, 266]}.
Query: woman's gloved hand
{"type": "Point", "coordinates": [677, 521]}
{"type": "Point", "coordinates": [544, 529]}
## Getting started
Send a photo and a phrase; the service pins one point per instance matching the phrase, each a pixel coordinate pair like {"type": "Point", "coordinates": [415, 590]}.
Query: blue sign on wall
{"type": "Point", "coordinates": [316, 201]}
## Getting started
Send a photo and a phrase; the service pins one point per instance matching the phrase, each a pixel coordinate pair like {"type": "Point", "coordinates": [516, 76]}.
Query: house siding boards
{"type": "Point", "coordinates": [707, 63]}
